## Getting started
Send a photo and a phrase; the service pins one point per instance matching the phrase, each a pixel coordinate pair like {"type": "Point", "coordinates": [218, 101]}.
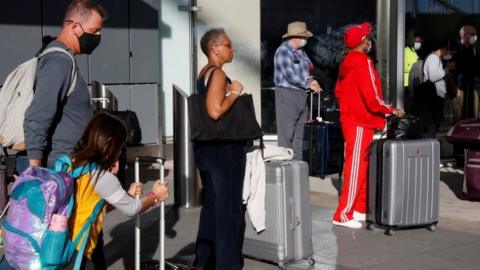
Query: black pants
{"type": "Point", "coordinates": [468, 108]}
{"type": "Point", "coordinates": [431, 116]}
{"type": "Point", "coordinates": [222, 222]}
{"type": "Point", "coordinates": [408, 101]}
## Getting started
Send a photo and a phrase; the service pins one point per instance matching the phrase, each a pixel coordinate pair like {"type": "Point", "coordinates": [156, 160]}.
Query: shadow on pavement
{"type": "Point", "coordinates": [122, 245]}
{"type": "Point", "coordinates": [184, 256]}
{"type": "Point", "coordinates": [337, 182]}
{"type": "Point", "coordinates": [454, 181]}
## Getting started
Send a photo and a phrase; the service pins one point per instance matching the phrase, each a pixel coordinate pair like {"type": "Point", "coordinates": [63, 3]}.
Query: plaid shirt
{"type": "Point", "coordinates": [291, 67]}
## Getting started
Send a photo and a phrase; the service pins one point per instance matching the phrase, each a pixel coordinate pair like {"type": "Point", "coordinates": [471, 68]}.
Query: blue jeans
{"type": "Point", "coordinates": [222, 220]}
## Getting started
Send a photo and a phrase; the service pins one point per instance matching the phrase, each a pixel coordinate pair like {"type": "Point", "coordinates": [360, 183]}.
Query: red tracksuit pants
{"type": "Point", "coordinates": [355, 170]}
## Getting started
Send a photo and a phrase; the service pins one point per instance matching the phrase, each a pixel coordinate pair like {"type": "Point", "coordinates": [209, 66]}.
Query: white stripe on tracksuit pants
{"type": "Point", "coordinates": [353, 196]}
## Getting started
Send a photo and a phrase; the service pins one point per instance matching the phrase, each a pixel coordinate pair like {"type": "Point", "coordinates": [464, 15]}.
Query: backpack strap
{"type": "Point", "coordinates": [84, 169]}
{"type": "Point", "coordinates": [85, 232]}
{"type": "Point", "coordinates": [64, 164]}
{"type": "Point", "coordinates": [73, 77]}
{"type": "Point", "coordinates": [7, 226]}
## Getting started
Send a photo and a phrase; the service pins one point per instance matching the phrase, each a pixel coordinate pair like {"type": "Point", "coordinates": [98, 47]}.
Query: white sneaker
{"type": "Point", "coordinates": [359, 216]}
{"type": "Point", "coordinates": [353, 224]}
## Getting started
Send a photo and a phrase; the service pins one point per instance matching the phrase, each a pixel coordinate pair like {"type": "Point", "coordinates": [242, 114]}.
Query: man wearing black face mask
{"type": "Point", "coordinates": [55, 121]}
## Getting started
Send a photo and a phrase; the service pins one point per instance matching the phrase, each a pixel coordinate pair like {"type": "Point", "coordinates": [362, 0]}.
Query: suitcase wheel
{"type": "Point", "coordinates": [432, 228]}
{"type": "Point", "coordinates": [311, 261]}
{"type": "Point", "coordinates": [390, 232]}
{"type": "Point", "coordinates": [370, 226]}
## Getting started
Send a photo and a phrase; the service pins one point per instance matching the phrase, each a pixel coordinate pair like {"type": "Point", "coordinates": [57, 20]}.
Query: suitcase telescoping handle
{"type": "Point", "coordinates": [318, 118]}
{"type": "Point", "coordinates": [160, 161]}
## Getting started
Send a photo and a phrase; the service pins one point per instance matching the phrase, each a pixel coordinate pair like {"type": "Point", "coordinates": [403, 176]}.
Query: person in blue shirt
{"type": "Point", "coordinates": [292, 79]}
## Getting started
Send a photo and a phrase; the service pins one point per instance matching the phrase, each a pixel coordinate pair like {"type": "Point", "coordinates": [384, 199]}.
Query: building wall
{"type": "Point", "coordinates": [241, 21]}
{"type": "Point", "coordinates": [128, 56]}
{"type": "Point", "coordinates": [175, 60]}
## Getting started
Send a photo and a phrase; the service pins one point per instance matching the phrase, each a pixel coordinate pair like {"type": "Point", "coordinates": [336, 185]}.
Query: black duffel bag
{"type": "Point", "coordinates": [407, 127]}
{"type": "Point", "coordinates": [130, 119]}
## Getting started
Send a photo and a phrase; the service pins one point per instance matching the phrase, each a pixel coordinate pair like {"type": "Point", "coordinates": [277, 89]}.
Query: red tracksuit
{"type": "Point", "coordinates": [362, 110]}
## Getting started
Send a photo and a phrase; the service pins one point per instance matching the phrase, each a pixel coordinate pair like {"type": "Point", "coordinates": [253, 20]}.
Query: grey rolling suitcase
{"type": "Point", "coordinates": [403, 184]}
{"type": "Point", "coordinates": [288, 234]}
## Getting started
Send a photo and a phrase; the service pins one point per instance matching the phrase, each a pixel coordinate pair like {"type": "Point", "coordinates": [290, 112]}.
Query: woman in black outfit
{"type": "Point", "coordinates": [221, 165]}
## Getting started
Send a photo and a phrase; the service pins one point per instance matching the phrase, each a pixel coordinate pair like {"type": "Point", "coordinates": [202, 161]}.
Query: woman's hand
{"type": "Point", "coordinates": [135, 189]}
{"type": "Point", "coordinates": [160, 190]}
{"type": "Point", "coordinates": [218, 100]}
{"type": "Point", "coordinates": [235, 87]}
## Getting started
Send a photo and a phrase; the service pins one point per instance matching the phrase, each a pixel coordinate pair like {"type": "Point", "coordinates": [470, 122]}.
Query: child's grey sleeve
{"type": "Point", "coordinates": [109, 188]}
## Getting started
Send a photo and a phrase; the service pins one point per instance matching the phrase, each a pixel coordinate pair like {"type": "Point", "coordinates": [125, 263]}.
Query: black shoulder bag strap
{"type": "Point", "coordinates": [210, 75]}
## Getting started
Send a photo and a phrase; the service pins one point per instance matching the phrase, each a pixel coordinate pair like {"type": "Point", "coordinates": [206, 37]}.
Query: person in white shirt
{"type": "Point", "coordinates": [430, 107]}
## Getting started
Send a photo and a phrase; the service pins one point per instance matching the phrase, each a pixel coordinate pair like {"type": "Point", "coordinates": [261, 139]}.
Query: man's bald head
{"type": "Point", "coordinates": [468, 35]}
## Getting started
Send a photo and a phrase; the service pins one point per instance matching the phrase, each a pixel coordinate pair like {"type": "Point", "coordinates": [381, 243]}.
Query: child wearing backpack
{"type": "Point", "coordinates": [94, 164]}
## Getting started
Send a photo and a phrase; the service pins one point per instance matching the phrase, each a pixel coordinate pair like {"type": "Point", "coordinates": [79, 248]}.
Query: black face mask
{"type": "Point", "coordinates": [88, 42]}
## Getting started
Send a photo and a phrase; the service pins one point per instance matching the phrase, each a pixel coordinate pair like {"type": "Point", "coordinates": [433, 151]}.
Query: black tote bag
{"type": "Point", "coordinates": [238, 124]}
{"type": "Point", "coordinates": [405, 128]}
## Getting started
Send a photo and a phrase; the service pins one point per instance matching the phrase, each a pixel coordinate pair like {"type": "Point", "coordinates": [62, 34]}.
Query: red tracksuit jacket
{"type": "Point", "coordinates": [359, 92]}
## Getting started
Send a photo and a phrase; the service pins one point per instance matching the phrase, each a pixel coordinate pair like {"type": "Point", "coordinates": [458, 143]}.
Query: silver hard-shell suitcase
{"type": "Point", "coordinates": [403, 184]}
{"type": "Point", "coordinates": [288, 234]}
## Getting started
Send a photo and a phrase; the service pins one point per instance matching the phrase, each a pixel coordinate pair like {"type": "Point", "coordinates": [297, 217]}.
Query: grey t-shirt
{"type": "Point", "coordinates": [54, 122]}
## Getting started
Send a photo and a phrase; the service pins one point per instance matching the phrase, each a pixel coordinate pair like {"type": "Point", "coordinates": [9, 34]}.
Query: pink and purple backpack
{"type": "Point", "coordinates": [38, 199]}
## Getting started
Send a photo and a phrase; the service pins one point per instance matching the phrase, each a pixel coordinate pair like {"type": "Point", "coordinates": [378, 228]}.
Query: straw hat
{"type": "Point", "coordinates": [297, 29]}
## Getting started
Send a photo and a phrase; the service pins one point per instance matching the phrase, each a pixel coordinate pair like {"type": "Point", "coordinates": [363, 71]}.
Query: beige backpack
{"type": "Point", "coordinates": [17, 94]}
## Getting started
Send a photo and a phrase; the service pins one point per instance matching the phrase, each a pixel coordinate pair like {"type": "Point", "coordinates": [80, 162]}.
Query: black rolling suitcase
{"type": "Point", "coordinates": [322, 144]}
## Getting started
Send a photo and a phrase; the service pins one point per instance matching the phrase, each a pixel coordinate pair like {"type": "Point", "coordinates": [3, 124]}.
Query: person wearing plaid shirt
{"type": "Point", "coordinates": [292, 79]}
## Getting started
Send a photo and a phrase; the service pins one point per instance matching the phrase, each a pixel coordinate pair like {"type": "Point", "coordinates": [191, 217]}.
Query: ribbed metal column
{"type": "Point", "coordinates": [187, 187]}
{"type": "Point", "coordinates": [390, 48]}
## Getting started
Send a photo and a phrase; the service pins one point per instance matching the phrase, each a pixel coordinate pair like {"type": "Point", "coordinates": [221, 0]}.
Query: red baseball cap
{"type": "Point", "coordinates": [355, 34]}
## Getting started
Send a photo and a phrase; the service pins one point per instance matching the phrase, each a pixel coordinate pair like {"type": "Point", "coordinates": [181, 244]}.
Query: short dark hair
{"type": "Point", "coordinates": [209, 38]}
{"type": "Point", "coordinates": [84, 8]}
{"type": "Point", "coordinates": [410, 37]}
{"type": "Point", "coordinates": [440, 44]}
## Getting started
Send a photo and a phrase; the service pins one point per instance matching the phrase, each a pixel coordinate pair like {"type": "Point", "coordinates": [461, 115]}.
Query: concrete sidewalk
{"type": "Point", "coordinates": [453, 246]}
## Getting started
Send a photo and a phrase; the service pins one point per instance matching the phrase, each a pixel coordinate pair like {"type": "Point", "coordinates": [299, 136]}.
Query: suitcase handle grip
{"type": "Point", "coordinates": [318, 118]}
{"type": "Point", "coordinates": [293, 223]}
{"type": "Point", "coordinates": [148, 159]}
